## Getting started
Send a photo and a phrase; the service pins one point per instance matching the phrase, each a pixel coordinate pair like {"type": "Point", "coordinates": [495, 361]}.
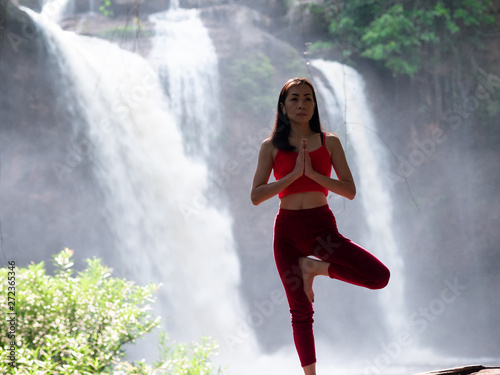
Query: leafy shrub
{"type": "Point", "coordinates": [79, 325]}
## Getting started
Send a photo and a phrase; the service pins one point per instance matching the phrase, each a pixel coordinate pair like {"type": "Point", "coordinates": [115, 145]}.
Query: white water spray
{"type": "Point", "coordinates": [174, 4]}
{"type": "Point", "coordinates": [347, 86]}
{"type": "Point", "coordinates": [186, 61]}
{"type": "Point", "coordinates": [150, 184]}
{"type": "Point", "coordinates": [53, 10]}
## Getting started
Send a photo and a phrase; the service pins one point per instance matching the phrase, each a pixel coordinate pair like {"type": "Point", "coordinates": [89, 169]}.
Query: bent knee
{"type": "Point", "coordinates": [381, 280]}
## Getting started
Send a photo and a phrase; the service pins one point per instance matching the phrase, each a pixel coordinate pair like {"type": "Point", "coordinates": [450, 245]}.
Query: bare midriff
{"type": "Point", "coordinates": [303, 201]}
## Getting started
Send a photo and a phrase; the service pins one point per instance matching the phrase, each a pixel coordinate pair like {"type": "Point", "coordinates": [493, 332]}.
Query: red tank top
{"type": "Point", "coordinates": [285, 161]}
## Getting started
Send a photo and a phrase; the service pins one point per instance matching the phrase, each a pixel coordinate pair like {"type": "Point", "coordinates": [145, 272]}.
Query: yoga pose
{"type": "Point", "coordinates": [302, 156]}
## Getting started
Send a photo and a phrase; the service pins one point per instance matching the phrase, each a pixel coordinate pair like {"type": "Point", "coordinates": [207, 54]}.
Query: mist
{"type": "Point", "coordinates": [134, 138]}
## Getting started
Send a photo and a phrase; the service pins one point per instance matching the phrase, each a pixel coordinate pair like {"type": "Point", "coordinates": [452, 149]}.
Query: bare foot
{"type": "Point", "coordinates": [310, 269]}
{"type": "Point", "coordinates": [307, 267]}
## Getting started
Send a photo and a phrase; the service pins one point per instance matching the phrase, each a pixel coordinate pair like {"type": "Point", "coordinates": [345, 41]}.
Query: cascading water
{"type": "Point", "coordinates": [53, 10]}
{"type": "Point", "coordinates": [346, 86]}
{"type": "Point", "coordinates": [162, 236]}
{"type": "Point", "coordinates": [185, 59]}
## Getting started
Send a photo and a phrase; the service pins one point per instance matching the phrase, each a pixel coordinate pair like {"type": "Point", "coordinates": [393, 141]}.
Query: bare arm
{"type": "Point", "coordinates": [344, 186]}
{"type": "Point", "coordinates": [261, 189]}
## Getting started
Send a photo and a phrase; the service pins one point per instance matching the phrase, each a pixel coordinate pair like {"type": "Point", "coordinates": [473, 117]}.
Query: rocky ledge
{"type": "Point", "coordinates": [467, 370]}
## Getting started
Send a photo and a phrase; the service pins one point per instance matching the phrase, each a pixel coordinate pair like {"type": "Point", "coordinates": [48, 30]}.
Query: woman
{"type": "Point", "coordinates": [302, 156]}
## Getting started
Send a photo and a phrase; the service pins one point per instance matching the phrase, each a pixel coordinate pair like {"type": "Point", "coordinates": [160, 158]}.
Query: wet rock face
{"type": "Point", "coordinates": [124, 7]}
{"type": "Point", "coordinates": [271, 7]}
{"type": "Point", "coordinates": [39, 123]}
{"type": "Point", "coordinates": [26, 72]}
{"type": "Point", "coordinates": [18, 29]}
{"type": "Point", "coordinates": [36, 5]}
{"type": "Point", "coordinates": [203, 3]}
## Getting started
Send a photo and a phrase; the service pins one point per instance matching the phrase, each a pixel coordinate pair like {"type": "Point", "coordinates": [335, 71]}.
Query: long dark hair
{"type": "Point", "coordinates": [282, 128]}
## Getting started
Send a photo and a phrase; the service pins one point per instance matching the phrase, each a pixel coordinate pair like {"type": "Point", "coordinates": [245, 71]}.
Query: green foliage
{"type": "Point", "coordinates": [251, 83]}
{"type": "Point", "coordinates": [392, 38]}
{"type": "Point", "coordinates": [68, 324]}
{"type": "Point", "coordinates": [126, 32]}
{"type": "Point", "coordinates": [105, 8]}
{"type": "Point", "coordinates": [175, 359]}
{"type": "Point", "coordinates": [320, 46]}
{"type": "Point", "coordinates": [292, 66]}
{"type": "Point", "coordinates": [402, 35]}
{"type": "Point", "coordinates": [489, 113]}
{"type": "Point", "coordinates": [182, 359]}
{"type": "Point", "coordinates": [253, 79]}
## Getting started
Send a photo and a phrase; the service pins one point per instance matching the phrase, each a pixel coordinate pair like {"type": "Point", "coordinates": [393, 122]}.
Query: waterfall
{"type": "Point", "coordinates": [53, 10]}
{"type": "Point", "coordinates": [346, 88]}
{"type": "Point", "coordinates": [185, 59]}
{"type": "Point", "coordinates": [174, 4]}
{"type": "Point", "coordinates": [151, 187]}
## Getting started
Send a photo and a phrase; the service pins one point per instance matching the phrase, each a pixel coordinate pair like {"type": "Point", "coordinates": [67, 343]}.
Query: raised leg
{"type": "Point", "coordinates": [351, 263]}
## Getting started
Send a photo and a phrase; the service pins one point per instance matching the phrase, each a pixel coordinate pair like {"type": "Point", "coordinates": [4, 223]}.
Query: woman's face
{"type": "Point", "coordinates": [299, 104]}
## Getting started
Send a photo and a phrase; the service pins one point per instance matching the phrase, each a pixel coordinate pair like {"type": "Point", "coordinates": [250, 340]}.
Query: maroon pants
{"type": "Point", "coordinates": [299, 233]}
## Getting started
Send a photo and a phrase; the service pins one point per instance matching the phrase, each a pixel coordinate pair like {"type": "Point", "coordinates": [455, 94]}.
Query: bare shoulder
{"type": "Point", "coordinates": [268, 142]}
{"type": "Point", "coordinates": [267, 146]}
{"type": "Point", "coordinates": [332, 140]}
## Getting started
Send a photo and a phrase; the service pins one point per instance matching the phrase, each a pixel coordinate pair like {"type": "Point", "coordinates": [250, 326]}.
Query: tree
{"type": "Point", "coordinates": [431, 42]}
{"type": "Point", "coordinates": [402, 35]}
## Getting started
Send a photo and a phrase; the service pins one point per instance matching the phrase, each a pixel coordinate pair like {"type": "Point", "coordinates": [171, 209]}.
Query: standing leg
{"type": "Point", "coordinates": [301, 310]}
{"type": "Point", "coordinates": [286, 255]}
{"type": "Point", "coordinates": [310, 369]}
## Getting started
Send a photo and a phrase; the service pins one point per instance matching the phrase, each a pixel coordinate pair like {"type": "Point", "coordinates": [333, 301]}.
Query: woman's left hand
{"type": "Point", "coordinates": [308, 169]}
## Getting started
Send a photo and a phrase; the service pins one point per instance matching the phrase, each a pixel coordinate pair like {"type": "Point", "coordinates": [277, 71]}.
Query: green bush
{"type": "Point", "coordinates": [67, 324]}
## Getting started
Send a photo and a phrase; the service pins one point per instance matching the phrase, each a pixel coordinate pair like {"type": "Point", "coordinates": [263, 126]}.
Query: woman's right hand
{"type": "Point", "coordinates": [299, 163]}
{"type": "Point", "coordinates": [262, 189]}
